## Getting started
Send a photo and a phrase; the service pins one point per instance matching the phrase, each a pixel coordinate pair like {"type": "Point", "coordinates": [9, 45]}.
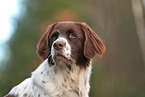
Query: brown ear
{"type": "Point", "coordinates": [93, 44]}
{"type": "Point", "coordinates": [43, 48]}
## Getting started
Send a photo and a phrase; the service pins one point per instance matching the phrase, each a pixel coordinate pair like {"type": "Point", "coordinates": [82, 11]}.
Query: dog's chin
{"type": "Point", "coordinates": [60, 59]}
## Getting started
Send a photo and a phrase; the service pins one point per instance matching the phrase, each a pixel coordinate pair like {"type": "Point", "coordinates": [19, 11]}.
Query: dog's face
{"type": "Point", "coordinates": [69, 43]}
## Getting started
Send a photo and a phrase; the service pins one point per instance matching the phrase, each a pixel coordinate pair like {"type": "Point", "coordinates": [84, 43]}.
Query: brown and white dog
{"type": "Point", "coordinates": [67, 49]}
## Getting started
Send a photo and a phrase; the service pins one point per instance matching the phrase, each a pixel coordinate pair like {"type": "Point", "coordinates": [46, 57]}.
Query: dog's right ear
{"type": "Point", "coordinates": [93, 44]}
{"type": "Point", "coordinates": [43, 47]}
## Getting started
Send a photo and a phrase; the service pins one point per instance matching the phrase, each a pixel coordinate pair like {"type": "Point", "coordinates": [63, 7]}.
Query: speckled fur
{"type": "Point", "coordinates": [54, 81]}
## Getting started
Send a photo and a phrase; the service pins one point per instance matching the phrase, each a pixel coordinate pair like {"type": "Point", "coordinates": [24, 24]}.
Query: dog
{"type": "Point", "coordinates": [67, 49]}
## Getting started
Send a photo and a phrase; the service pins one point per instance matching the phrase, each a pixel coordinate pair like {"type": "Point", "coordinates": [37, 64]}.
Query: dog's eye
{"type": "Point", "coordinates": [54, 36]}
{"type": "Point", "coordinates": [72, 35]}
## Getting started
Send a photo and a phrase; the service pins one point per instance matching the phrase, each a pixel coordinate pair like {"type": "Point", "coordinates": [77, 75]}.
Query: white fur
{"type": "Point", "coordinates": [55, 81]}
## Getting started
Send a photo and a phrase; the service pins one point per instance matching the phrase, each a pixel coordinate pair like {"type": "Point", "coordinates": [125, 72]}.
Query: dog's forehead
{"type": "Point", "coordinates": [64, 26]}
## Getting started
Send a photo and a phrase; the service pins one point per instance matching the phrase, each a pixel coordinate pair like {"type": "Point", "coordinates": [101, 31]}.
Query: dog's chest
{"type": "Point", "coordinates": [59, 82]}
{"type": "Point", "coordinates": [47, 81]}
{"type": "Point", "coordinates": [69, 84]}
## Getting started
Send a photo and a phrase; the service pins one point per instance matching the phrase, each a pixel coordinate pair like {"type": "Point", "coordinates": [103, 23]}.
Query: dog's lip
{"type": "Point", "coordinates": [58, 54]}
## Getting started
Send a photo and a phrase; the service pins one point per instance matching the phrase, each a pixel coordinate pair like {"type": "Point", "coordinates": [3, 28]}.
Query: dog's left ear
{"type": "Point", "coordinates": [43, 48]}
{"type": "Point", "coordinates": [93, 44]}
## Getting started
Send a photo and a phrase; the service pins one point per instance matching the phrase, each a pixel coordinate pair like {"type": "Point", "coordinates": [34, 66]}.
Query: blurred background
{"type": "Point", "coordinates": [119, 23]}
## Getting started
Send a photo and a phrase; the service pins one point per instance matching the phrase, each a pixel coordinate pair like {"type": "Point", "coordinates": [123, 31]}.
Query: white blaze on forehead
{"type": "Point", "coordinates": [66, 51]}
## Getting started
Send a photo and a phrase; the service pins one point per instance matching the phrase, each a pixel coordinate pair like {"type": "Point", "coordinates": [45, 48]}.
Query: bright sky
{"type": "Point", "coordinates": [8, 9]}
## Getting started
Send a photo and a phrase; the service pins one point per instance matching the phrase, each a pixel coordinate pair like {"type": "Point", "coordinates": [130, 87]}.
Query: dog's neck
{"type": "Point", "coordinates": [58, 80]}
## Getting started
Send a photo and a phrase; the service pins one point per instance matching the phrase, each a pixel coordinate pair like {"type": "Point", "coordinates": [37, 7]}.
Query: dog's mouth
{"type": "Point", "coordinates": [61, 59]}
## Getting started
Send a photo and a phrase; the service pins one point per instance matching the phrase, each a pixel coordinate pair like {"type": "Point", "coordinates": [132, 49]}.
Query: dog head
{"type": "Point", "coordinates": [69, 42]}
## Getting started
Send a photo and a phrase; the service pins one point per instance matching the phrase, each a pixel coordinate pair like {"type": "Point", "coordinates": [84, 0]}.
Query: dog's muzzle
{"type": "Point", "coordinates": [61, 51]}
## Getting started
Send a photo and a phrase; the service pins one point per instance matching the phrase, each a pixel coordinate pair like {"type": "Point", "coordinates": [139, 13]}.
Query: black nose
{"type": "Point", "coordinates": [58, 45]}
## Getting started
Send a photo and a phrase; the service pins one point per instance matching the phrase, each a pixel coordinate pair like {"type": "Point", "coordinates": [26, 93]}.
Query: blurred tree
{"type": "Point", "coordinates": [139, 21]}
